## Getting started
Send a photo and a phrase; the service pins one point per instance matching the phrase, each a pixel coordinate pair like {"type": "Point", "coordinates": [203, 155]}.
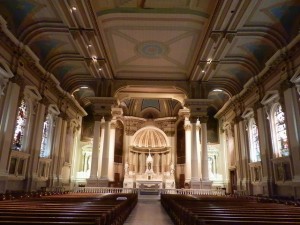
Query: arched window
{"type": "Point", "coordinates": [48, 130]}
{"type": "Point", "coordinates": [20, 126]}
{"type": "Point", "coordinates": [45, 138]}
{"type": "Point", "coordinates": [254, 141]}
{"type": "Point", "coordinates": [280, 141]}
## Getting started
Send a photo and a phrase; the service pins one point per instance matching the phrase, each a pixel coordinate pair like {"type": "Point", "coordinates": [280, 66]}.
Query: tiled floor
{"type": "Point", "coordinates": [148, 211]}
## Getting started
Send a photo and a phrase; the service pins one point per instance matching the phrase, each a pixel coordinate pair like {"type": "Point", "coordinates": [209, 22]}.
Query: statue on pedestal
{"type": "Point", "coordinates": [149, 162]}
{"type": "Point", "coordinates": [126, 168]}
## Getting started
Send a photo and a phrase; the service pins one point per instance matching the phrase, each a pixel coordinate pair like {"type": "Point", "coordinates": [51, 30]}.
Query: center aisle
{"type": "Point", "coordinates": [148, 211]}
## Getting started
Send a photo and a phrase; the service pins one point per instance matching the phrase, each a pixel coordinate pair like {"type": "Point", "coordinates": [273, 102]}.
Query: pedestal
{"type": "Point", "coordinates": [206, 184]}
{"type": "Point", "coordinates": [128, 183]}
{"type": "Point", "coordinates": [195, 184]}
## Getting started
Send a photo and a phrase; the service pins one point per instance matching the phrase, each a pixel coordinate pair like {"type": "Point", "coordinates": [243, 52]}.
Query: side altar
{"type": "Point", "coordinates": [149, 179]}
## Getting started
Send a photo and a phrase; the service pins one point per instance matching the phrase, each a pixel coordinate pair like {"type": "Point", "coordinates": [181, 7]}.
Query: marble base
{"type": "Point", "coordinates": [102, 182]}
{"type": "Point", "coordinates": [195, 184]}
{"type": "Point", "coordinates": [207, 184]}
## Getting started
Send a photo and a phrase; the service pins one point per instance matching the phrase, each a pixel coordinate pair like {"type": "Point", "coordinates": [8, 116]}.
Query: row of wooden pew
{"type": "Point", "coordinates": [34, 194]}
{"type": "Point", "coordinates": [223, 210]}
{"type": "Point", "coordinates": [79, 209]}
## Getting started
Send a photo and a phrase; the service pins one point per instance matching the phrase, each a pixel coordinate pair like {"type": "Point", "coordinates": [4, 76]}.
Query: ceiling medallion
{"type": "Point", "coordinates": [152, 49]}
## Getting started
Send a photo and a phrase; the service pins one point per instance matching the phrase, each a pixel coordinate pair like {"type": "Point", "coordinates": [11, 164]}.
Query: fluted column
{"type": "Point", "coordinates": [198, 147]}
{"type": "Point", "coordinates": [95, 152]}
{"type": "Point", "coordinates": [104, 170]}
{"type": "Point", "coordinates": [130, 161]}
{"type": "Point", "coordinates": [204, 158]}
{"type": "Point", "coordinates": [188, 151]}
{"type": "Point", "coordinates": [100, 161]}
{"type": "Point", "coordinates": [111, 170]}
{"type": "Point", "coordinates": [136, 162]}
{"type": "Point", "coordinates": [195, 178]}
{"type": "Point", "coordinates": [292, 118]}
{"type": "Point", "coordinates": [156, 162]}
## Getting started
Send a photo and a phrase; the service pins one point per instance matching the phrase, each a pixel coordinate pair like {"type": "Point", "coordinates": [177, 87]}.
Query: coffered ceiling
{"type": "Point", "coordinates": [222, 43]}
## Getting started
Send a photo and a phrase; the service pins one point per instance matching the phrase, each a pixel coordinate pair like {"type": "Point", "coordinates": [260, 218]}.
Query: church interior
{"type": "Point", "coordinates": [150, 94]}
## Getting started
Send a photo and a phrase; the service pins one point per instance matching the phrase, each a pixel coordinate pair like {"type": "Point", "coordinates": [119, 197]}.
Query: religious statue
{"type": "Point", "coordinates": [172, 168]}
{"type": "Point", "coordinates": [126, 167]}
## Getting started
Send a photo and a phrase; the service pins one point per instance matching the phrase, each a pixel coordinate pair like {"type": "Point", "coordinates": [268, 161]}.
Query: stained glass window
{"type": "Point", "coordinates": [45, 138]}
{"type": "Point", "coordinates": [20, 126]}
{"type": "Point", "coordinates": [281, 140]}
{"type": "Point", "coordinates": [254, 145]}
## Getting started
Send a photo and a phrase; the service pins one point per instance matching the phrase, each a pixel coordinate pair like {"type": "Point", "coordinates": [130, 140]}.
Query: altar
{"type": "Point", "coordinates": [149, 180]}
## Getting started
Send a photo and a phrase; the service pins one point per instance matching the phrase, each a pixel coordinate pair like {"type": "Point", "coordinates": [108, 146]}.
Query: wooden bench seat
{"type": "Point", "coordinates": [189, 210]}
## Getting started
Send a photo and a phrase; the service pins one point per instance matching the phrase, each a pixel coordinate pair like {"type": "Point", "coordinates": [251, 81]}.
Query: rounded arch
{"type": "Point", "coordinates": [150, 91]}
{"type": "Point", "coordinates": [150, 137]}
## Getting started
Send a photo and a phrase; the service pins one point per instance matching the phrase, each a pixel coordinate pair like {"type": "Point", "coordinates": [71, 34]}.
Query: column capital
{"type": "Point", "coordinates": [184, 113]}
{"type": "Point", "coordinates": [187, 127]}
{"type": "Point", "coordinates": [116, 112]}
{"type": "Point", "coordinates": [198, 107]}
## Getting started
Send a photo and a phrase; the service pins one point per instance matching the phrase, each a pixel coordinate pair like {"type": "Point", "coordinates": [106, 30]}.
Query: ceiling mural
{"type": "Point", "coordinates": [158, 46]}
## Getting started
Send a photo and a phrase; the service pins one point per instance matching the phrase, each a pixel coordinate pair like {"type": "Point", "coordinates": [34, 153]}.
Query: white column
{"type": "Point", "coordinates": [100, 161]}
{"type": "Point", "coordinates": [195, 179]}
{"type": "Point", "coordinates": [198, 147]}
{"type": "Point", "coordinates": [104, 170]}
{"type": "Point", "coordinates": [61, 133]}
{"type": "Point", "coordinates": [188, 151]}
{"type": "Point", "coordinates": [136, 162]}
{"type": "Point", "coordinates": [95, 152]}
{"type": "Point", "coordinates": [204, 163]}
{"type": "Point", "coordinates": [111, 171]}
{"type": "Point", "coordinates": [156, 163]}
{"type": "Point", "coordinates": [292, 118]}
{"type": "Point", "coordinates": [36, 146]}
{"type": "Point", "coordinates": [130, 160]}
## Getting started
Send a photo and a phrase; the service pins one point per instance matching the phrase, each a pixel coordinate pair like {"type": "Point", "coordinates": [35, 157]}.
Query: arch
{"type": "Point", "coordinates": [150, 137]}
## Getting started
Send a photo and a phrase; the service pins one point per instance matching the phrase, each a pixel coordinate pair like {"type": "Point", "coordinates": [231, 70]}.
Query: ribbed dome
{"type": "Point", "coordinates": [150, 138]}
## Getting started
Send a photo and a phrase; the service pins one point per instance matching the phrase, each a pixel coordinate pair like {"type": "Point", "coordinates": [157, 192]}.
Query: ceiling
{"type": "Point", "coordinates": [222, 43]}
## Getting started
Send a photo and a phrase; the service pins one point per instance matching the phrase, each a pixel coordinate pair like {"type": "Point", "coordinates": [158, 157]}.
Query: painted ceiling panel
{"type": "Point", "coordinates": [21, 13]}
{"type": "Point", "coordinates": [64, 69]}
{"type": "Point", "coordinates": [282, 14]}
{"type": "Point", "coordinates": [47, 45]}
{"type": "Point", "coordinates": [153, 47]}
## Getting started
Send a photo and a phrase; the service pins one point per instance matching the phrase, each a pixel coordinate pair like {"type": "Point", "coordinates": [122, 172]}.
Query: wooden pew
{"type": "Point", "coordinates": [193, 210]}
{"type": "Point", "coordinates": [68, 209]}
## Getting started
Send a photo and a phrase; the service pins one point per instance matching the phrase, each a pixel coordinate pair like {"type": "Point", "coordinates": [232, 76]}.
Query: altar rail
{"type": "Point", "coordinates": [193, 191]}
{"type": "Point", "coordinates": [161, 191]}
{"type": "Point", "coordinates": [104, 190]}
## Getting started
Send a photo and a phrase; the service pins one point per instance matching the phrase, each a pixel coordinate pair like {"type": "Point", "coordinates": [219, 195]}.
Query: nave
{"type": "Point", "coordinates": [136, 209]}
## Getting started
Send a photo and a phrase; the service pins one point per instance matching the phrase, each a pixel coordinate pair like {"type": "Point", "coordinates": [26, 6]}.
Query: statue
{"type": "Point", "coordinates": [126, 167]}
{"type": "Point", "coordinates": [172, 168]}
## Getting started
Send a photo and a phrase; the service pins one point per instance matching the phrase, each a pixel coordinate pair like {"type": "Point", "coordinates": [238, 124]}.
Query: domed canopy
{"type": "Point", "coordinates": [150, 138]}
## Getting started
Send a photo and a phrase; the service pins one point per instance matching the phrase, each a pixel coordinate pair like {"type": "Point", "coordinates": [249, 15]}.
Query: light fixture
{"type": "Point", "coordinates": [100, 69]}
{"type": "Point", "coordinates": [217, 90]}
{"type": "Point", "coordinates": [203, 71]}
{"type": "Point", "coordinates": [209, 61]}
{"type": "Point", "coordinates": [94, 58]}
{"type": "Point", "coordinates": [74, 8]}
{"type": "Point", "coordinates": [84, 87]}
{"type": "Point", "coordinates": [89, 45]}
